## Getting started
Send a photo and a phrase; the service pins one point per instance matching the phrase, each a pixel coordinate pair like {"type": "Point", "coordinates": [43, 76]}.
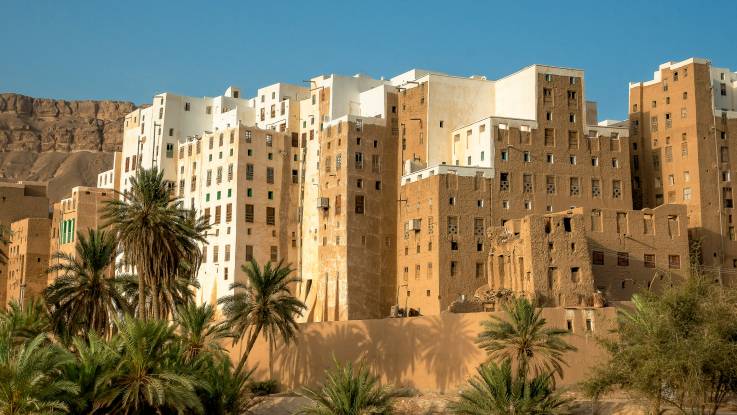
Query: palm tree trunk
{"type": "Point", "coordinates": [141, 295]}
{"type": "Point", "coordinates": [155, 301]}
{"type": "Point", "coordinates": [271, 357]}
{"type": "Point", "coordinates": [252, 341]}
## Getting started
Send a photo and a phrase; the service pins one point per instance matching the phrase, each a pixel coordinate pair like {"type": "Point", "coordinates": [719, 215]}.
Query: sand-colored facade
{"type": "Point", "coordinates": [561, 259]}
{"type": "Point", "coordinates": [682, 122]}
{"type": "Point", "coordinates": [29, 259]}
{"type": "Point", "coordinates": [79, 213]}
{"type": "Point", "coordinates": [441, 245]}
{"type": "Point", "coordinates": [236, 178]}
{"type": "Point", "coordinates": [429, 353]}
{"type": "Point", "coordinates": [18, 201]}
{"type": "Point", "coordinates": [536, 148]}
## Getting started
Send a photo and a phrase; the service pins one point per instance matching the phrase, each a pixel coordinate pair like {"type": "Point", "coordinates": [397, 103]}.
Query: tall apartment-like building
{"type": "Point", "coordinates": [18, 201]}
{"type": "Point", "coordinates": [683, 124]}
{"type": "Point", "coordinates": [151, 135]}
{"type": "Point", "coordinates": [277, 108]}
{"type": "Point", "coordinates": [236, 178]}
{"type": "Point", "coordinates": [528, 134]}
{"type": "Point", "coordinates": [442, 246]}
{"type": "Point", "coordinates": [348, 198]}
{"type": "Point", "coordinates": [80, 212]}
{"type": "Point", "coordinates": [295, 173]}
{"type": "Point", "coordinates": [29, 259]}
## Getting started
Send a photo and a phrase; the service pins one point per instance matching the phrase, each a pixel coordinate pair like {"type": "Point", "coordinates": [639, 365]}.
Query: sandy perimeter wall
{"type": "Point", "coordinates": [429, 353]}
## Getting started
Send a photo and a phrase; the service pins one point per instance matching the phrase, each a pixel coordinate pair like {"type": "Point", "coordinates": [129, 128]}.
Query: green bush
{"type": "Point", "coordinates": [263, 388]}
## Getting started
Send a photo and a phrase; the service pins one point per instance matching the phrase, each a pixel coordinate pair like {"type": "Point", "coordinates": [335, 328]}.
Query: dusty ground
{"type": "Point", "coordinates": [433, 404]}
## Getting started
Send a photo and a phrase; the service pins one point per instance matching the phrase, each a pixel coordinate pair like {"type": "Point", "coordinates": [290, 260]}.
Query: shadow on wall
{"type": "Point", "coordinates": [431, 353]}
{"type": "Point", "coordinates": [395, 348]}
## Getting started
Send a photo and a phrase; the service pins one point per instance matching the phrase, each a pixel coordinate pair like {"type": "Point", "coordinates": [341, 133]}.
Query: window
{"type": "Point", "coordinates": [453, 268]}
{"type": "Point", "coordinates": [674, 261]}
{"type": "Point", "coordinates": [249, 213]}
{"type": "Point", "coordinates": [598, 257]}
{"type": "Point", "coordinates": [504, 181]}
{"type": "Point", "coordinates": [452, 225]}
{"type": "Point", "coordinates": [547, 95]}
{"type": "Point", "coordinates": [375, 163]}
{"type": "Point", "coordinates": [550, 185]}
{"type": "Point", "coordinates": [595, 188]}
{"type": "Point", "coordinates": [359, 204]}
{"type": "Point", "coordinates": [616, 189]}
{"type": "Point", "coordinates": [575, 186]}
{"type": "Point", "coordinates": [274, 254]}
{"type": "Point", "coordinates": [649, 260]}
{"type": "Point", "coordinates": [270, 175]}
{"type": "Point", "coordinates": [686, 193]}
{"type": "Point", "coordinates": [549, 137]}
{"type": "Point", "coordinates": [338, 204]}
{"type": "Point", "coordinates": [596, 225]}
{"type": "Point", "coordinates": [270, 216]}
{"type": "Point", "coordinates": [621, 222]}
{"type": "Point", "coordinates": [623, 259]}
{"type": "Point", "coordinates": [359, 160]}
{"type": "Point", "coordinates": [527, 183]}
{"type": "Point", "coordinates": [723, 89]}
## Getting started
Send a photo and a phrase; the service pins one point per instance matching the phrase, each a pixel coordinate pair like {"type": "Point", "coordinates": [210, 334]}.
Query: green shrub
{"type": "Point", "coordinates": [263, 388]}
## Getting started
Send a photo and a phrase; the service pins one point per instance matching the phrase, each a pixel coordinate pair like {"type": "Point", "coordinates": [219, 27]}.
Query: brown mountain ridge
{"type": "Point", "coordinates": [64, 143]}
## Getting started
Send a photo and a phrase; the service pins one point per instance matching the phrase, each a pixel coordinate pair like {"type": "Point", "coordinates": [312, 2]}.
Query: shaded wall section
{"type": "Point", "coordinates": [429, 353]}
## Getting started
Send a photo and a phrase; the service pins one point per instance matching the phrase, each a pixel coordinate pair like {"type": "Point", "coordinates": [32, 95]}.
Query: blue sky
{"type": "Point", "coordinates": [132, 50]}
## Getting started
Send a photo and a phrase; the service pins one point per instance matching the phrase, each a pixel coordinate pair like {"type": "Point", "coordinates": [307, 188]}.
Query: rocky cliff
{"type": "Point", "coordinates": [66, 143]}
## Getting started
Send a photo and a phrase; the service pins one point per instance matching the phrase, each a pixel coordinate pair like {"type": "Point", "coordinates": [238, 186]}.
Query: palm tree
{"type": "Point", "coordinates": [31, 377]}
{"type": "Point", "coordinates": [263, 303]}
{"type": "Point", "coordinates": [83, 297]}
{"type": "Point", "coordinates": [229, 391]}
{"type": "Point", "coordinates": [155, 234]}
{"type": "Point", "coordinates": [149, 377]}
{"type": "Point", "coordinates": [199, 332]}
{"type": "Point", "coordinates": [524, 338]}
{"type": "Point", "coordinates": [349, 391]}
{"type": "Point", "coordinates": [495, 391]}
{"type": "Point", "coordinates": [21, 324]}
{"type": "Point", "coordinates": [94, 360]}
{"type": "Point", "coordinates": [182, 292]}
